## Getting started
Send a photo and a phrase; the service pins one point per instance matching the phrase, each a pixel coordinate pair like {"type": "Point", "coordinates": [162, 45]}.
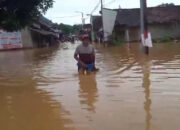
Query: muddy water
{"type": "Point", "coordinates": [41, 90]}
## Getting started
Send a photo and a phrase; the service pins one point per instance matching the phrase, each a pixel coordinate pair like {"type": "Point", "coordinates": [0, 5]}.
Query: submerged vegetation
{"type": "Point", "coordinates": [164, 39]}
{"type": "Point", "coordinates": [117, 39]}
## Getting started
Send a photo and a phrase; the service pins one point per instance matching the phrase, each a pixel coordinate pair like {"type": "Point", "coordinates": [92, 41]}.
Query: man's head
{"type": "Point", "coordinates": [85, 39]}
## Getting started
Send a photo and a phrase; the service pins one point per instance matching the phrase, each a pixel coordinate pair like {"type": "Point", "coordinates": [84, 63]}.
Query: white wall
{"type": "Point", "coordinates": [27, 38]}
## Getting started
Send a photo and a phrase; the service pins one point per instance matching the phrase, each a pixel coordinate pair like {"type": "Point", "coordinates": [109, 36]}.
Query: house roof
{"type": "Point", "coordinates": [43, 32]}
{"type": "Point", "coordinates": [46, 22]}
{"type": "Point", "coordinates": [131, 17]}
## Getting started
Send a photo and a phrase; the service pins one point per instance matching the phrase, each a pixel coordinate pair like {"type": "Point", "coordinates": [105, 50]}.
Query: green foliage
{"type": "Point", "coordinates": [76, 28]}
{"type": "Point", "coordinates": [117, 39]}
{"type": "Point", "coordinates": [164, 39]}
{"type": "Point", "coordinates": [16, 14]}
{"type": "Point", "coordinates": [166, 5]}
{"type": "Point", "coordinates": [67, 29]}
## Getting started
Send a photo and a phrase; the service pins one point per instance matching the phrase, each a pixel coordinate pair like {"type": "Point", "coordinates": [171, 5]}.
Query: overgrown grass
{"type": "Point", "coordinates": [117, 39]}
{"type": "Point", "coordinates": [118, 42]}
{"type": "Point", "coordinates": [164, 39]}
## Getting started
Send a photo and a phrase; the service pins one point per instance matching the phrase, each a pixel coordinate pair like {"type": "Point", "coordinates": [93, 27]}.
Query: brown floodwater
{"type": "Point", "coordinates": [40, 89]}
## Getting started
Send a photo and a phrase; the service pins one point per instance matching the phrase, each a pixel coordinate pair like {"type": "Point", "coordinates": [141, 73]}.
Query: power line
{"type": "Point", "coordinates": [95, 8]}
{"type": "Point", "coordinates": [110, 2]}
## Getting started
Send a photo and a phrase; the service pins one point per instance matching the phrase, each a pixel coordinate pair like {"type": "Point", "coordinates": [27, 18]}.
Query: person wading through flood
{"type": "Point", "coordinates": [85, 56]}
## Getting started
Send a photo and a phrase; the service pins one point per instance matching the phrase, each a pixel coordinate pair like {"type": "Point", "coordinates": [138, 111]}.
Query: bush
{"type": "Point", "coordinates": [164, 39]}
{"type": "Point", "coordinates": [117, 39]}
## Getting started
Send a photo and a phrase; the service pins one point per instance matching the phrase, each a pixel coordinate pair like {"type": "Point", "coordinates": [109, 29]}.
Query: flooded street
{"type": "Point", "coordinates": [40, 89]}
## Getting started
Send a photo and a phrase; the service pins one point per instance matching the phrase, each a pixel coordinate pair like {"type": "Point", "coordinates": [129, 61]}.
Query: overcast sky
{"type": "Point", "coordinates": [65, 11]}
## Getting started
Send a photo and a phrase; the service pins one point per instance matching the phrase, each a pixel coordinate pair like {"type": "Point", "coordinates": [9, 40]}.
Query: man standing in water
{"type": "Point", "coordinates": [85, 55]}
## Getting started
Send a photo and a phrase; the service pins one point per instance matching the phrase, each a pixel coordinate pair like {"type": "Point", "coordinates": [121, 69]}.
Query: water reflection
{"type": "Point", "coordinates": [146, 68]}
{"type": "Point", "coordinates": [22, 105]}
{"type": "Point", "coordinates": [27, 108]}
{"type": "Point", "coordinates": [88, 91]}
{"type": "Point", "coordinates": [39, 89]}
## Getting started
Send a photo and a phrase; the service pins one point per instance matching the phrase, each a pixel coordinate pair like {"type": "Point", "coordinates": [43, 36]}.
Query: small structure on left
{"type": "Point", "coordinates": [39, 34]}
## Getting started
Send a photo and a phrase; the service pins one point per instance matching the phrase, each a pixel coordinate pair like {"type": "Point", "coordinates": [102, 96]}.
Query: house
{"type": "Point", "coordinates": [97, 27]}
{"type": "Point", "coordinates": [97, 23]}
{"type": "Point", "coordinates": [162, 22]}
{"type": "Point", "coordinates": [39, 34]}
{"type": "Point", "coordinates": [87, 27]}
{"type": "Point", "coordinates": [42, 33]}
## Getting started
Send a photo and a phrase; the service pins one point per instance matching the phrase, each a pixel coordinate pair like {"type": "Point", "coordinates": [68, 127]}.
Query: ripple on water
{"type": "Point", "coordinates": [130, 91]}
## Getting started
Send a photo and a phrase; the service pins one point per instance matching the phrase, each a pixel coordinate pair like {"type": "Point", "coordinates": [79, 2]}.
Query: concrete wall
{"type": "Point", "coordinates": [161, 30]}
{"type": "Point", "coordinates": [134, 34]}
{"type": "Point", "coordinates": [27, 38]}
{"type": "Point", "coordinates": [157, 31]}
{"type": "Point", "coordinates": [30, 39]}
{"type": "Point", "coordinates": [40, 40]}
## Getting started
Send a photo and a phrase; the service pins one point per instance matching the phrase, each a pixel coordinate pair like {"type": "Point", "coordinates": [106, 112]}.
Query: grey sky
{"type": "Point", "coordinates": [63, 9]}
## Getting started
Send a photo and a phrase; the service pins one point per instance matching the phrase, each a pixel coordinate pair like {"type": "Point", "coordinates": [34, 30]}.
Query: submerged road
{"type": "Point", "coordinates": [40, 89]}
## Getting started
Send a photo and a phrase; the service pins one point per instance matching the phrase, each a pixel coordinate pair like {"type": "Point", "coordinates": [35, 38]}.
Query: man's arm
{"type": "Point", "coordinates": [78, 60]}
{"type": "Point", "coordinates": [93, 54]}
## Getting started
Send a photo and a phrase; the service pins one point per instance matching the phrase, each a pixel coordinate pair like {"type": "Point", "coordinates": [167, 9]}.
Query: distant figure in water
{"type": "Point", "coordinates": [85, 56]}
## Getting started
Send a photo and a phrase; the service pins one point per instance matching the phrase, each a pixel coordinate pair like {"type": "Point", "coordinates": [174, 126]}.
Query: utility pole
{"type": "Point", "coordinates": [101, 5]}
{"type": "Point", "coordinates": [82, 14]}
{"type": "Point", "coordinates": [82, 20]}
{"type": "Point", "coordinates": [142, 15]}
{"type": "Point", "coordinates": [144, 24]}
{"type": "Point", "coordinates": [102, 17]}
{"type": "Point", "coordinates": [92, 26]}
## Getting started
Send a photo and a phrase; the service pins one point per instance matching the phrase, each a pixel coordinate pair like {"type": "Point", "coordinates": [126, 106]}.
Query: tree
{"type": "Point", "coordinates": [16, 14]}
{"type": "Point", "coordinates": [68, 29]}
{"type": "Point", "coordinates": [166, 5]}
{"type": "Point", "coordinates": [76, 27]}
